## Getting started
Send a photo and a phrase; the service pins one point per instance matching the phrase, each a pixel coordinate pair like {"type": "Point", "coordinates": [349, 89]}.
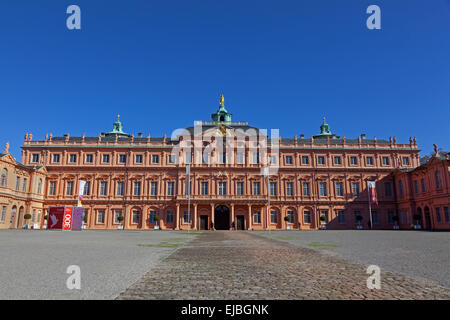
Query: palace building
{"type": "Point", "coordinates": [312, 182]}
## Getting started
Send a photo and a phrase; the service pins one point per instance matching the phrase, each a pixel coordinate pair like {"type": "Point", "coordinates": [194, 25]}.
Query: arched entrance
{"type": "Point", "coordinates": [222, 218]}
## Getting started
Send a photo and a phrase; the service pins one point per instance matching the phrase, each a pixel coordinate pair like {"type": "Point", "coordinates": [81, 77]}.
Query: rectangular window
{"type": "Point", "coordinates": [17, 183]}
{"type": "Point", "coordinates": [2, 218]}
{"type": "Point", "coordinates": [369, 161]}
{"type": "Point", "coordinates": [273, 217]}
{"type": "Point", "coordinates": [222, 188]}
{"type": "Point", "coordinates": [105, 158]}
{"type": "Point", "coordinates": [103, 188]}
{"type": "Point", "coordinates": [438, 215]}
{"type": "Point", "coordinates": [138, 158]}
{"type": "Point", "coordinates": [305, 160]}
{"type": "Point", "coordinates": [307, 217]}
{"type": "Point", "coordinates": [424, 189]}
{"type": "Point", "coordinates": [122, 158]}
{"type": "Point", "coordinates": [438, 179]}
{"type": "Point", "coordinates": [169, 217]}
{"type": "Point", "coordinates": [72, 158]}
{"type": "Point", "coordinates": [117, 214]}
{"type": "Point", "coordinates": [353, 161]}
{"type": "Point", "coordinates": [222, 157]}
{"type": "Point", "coordinates": [321, 160]}
{"type": "Point", "coordinates": [188, 157]}
{"type": "Point", "coordinates": [204, 188]}
{"type": "Point", "coordinates": [289, 188]}
{"type": "Point", "coordinates": [171, 158]}
{"type": "Point", "coordinates": [323, 189]}
{"type": "Point", "coordinates": [324, 213]}
{"type": "Point", "coordinates": [273, 159]}
{"type": "Point", "coordinates": [35, 157]}
{"type": "Point", "coordinates": [388, 189]}
{"type": "Point", "coordinates": [341, 216]}
{"type": "Point", "coordinates": [151, 218]}
{"type": "Point", "coordinates": [255, 157]}
{"type": "Point", "coordinates": [240, 158]}
{"type": "Point", "coordinates": [374, 217]}
{"type": "Point", "coordinates": [306, 189]}
{"type": "Point", "coordinates": [186, 217]}
{"type": "Point", "coordinates": [447, 215]}
{"type": "Point", "coordinates": [136, 217]}
{"type": "Point", "coordinates": [120, 188]}
{"type": "Point", "coordinates": [69, 188]}
{"type": "Point", "coordinates": [239, 188]}
{"type": "Point", "coordinates": [101, 216]}
{"type": "Point", "coordinates": [385, 161]}
{"type": "Point", "coordinates": [288, 159]}
{"type": "Point", "coordinates": [153, 188]}
{"type": "Point", "coordinates": [155, 158]}
{"type": "Point", "coordinates": [256, 217]}
{"type": "Point", "coordinates": [405, 161]}
{"type": "Point", "coordinates": [391, 217]}
{"type": "Point", "coordinates": [170, 188]}
{"type": "Point", "coordinates": [357, 214]}
{"type": "Point", "coordinates": [339, 189]}
{"type": "Point", "coordinates": [355, 188]}
{"type": "Point", "coordinates": [273, 188]}
{"type": "Point", "coordinates": [55, 158]}
{"type": "Point", "coordinates": [337, 160]}
{"type": "Point", "coordinates": [52, 188]}
{"type": "Point", "coordinates": [400, 187]}
{"type": "Point", "coordinates": [256, 188]}
{"type": "Point", "coordinates": [89, 158]}
{"type": "Point", "coordinates": [186, 188]}
{"type": "Point", "coordinates": [24, 185]}
{"type": "Point", "coordinates": [137, 188]}
{"type": "Point", "coordinates": [416, 186]}
{"type": "Point", "coordinates": [87, 188]}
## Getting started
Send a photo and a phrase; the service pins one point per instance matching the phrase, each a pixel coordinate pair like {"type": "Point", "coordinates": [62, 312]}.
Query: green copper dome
{"type": "Point", "coordinates": [222, 115]}
{"type": "Point", "coordinates": [117, 128]}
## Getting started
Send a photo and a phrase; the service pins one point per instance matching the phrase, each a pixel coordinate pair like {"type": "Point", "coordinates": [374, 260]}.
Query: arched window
{"type": "Point", "coordinates": [3, 178]}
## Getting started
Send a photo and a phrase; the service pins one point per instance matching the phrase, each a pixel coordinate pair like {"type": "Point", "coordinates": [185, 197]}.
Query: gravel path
{"type": "Point", "coordinates": [417, 254]}
{"type": "Point", "coordinates": [242, 265]}
{"type": "Point", "coordinates": [34, 262]}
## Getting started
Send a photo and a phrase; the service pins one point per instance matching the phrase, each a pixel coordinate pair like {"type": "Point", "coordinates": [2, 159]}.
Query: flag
{"type": "Point", "coordinates": [372, 193]}
{"type": "Point", "coordinates": [80, 192]}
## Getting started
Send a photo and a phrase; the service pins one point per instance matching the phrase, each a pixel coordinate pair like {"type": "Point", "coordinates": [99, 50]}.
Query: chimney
{"type": "Point", "coordinates": [363, 136]}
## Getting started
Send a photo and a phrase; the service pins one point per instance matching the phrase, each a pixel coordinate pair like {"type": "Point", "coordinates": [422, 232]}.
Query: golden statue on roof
{"type": "Point", "coordinates": [222, 100]}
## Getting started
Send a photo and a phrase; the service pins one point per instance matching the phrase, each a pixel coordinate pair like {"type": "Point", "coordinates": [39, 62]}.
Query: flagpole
{"type": "Point", "coordinates": [370, 207]}
{"type": "Point", "coordinates": [188, 185]}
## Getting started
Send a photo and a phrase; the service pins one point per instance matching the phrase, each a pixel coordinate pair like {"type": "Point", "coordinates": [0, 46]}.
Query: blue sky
{"type": "Point", "coordinates": [280, 64]}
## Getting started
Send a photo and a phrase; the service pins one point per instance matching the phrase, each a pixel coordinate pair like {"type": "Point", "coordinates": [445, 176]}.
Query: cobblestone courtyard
{"type": "Point", "coordinates": [242, 265]}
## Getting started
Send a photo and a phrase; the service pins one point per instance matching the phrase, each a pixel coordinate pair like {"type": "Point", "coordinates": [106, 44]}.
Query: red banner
{"type": "Point", "coordinates": [55, 218]}
{"type": "Point", "coordinates": [67, 218]}
{"type": "Point", "coordinates": [372, 193]}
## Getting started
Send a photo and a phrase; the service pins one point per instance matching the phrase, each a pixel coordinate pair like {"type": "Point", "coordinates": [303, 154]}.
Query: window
{"type": "Point", "coordinates": [3, 180]}
{"type": "Point", "coordinates": [355, 188]}
{"type": "Point", "coordinates": [69, 188]}
{"type": "Point", "coordinates": [136, 217]}
{"type": "Point", "coordinates": [138, 158]}
{"type": "Point", "coordinates": [171, 158]}
{"type": "Point", "coordinates": [169, 217]}
{"type": "Point", "coordinates": [256, 188]}
{"type": "Point", "coordinates": [120, 188]}
{"type": "Point", "coordinates": [369, 161]}
{"type": "Point", "coordinates": [186, 217]}
{"type": "Point", "coordinates": [387, 189]}
{"type": "Point", "coordinates": [24, 185]}
{"type": "Point", "coordinates": [447, 215]}
{"type": "Point", "coordinates": [339, 189]}
{"type": "Point", "coordinates": [35, 157]}
{"type": "Point", "coordinates": [305, 160]}
{"type": "Point", "coordinates": [324, 213]}
{"type": "Point", "coordinates": [155, 158]}
{"type": "Point", "coordinates": [289, 188]}
{"type": "Point", "coordinates": [122, 158]}
{"type": "Point", "coordinates": [152, 216]}
{"type": "Point", "coordinates": [153, 188]}
{"type": "Point", "coordinates": [353, 161]}
{"type": "Point", "coordinates": [87, 188]}
{"type": "Point", "coordinates": [204, 188]}
{"type": "Point", "coordinates": [321, 160]}
{"type": "Point", "coordinates": [55, 158]}
{"type": "Point", "coordinates": [255, 157]}
{"type": "Point", "coordinates": [273, 159]}
{"type": "Point", "coordinates": [17, 183]}
{"type": "Point", "coordinates": [170, 188]}
{"type": "Point", "coordinates": [137, 188]}
{"type": "Point", "coordinates": [186, 188]}
{"type": "Point", "coordinates": [341, 217]}
{"type": "Point", "coordinates": [374, 217]}
{"type": "Point", "coordinates": [385, 161]}
{"type": "Point", "coordinates": [103, 188]}
{"type": "Point", "coordinates": [405, 161]}
{"type": "Point", "coordinates": [222, 188]}
{"type": "Point", "coordinates": [188, 157]}
{"type": "Point", "coordinates": [424, 189]}
{"type": "Point", "coordinates": [52, 188]}
{"type": "Point", "coordinates": [438, 179]}
{"type": "Point", "coordinates": [307, 217]}
{"type": "Point", "coordinates": [438, 215]}
{"type": "Point", "coordinates": [72, 158]}
{"type": "Point", "coordinates": [2, 217]}
{"type": "Point", "coordinates": [39, 186]}
{"type": "Point", "coordinates": [222, 157]}
{"type": "Point", "coordinates": [105, 158]}
{"type": "Point", "coordinates": [416, 186]}
{"type": "Point", "coordinates": [357, 214]}
{"type": "Point", "coordinates": [256, 217]}
{"type": "Point", "coordinates": [337, 160]}
{"type": "Point", "coordinates": [240, 158]}
{"type": "Point", "coordinates": [288, 159]}
{"type": "Point", "coordinates": [273, 217]}
{"type": "Point", "coordinates": [239, 188]}
{"type": "Point", "coordinates": [391, 217]}
{"type": "Point", "coordinates": [101, 216]}
{"type": "Point", "coordinates": [306, 189]}
{"type": "Point", "coordinates": [117, 214]}
{"type": "Point", "coordinates": [89, 158]}
{"type": "Point", "coordinates": [273, 188]}
{"type": "Point", "coordinates": [400, 187]}
{"type": "Point", "coordinates": [323, 189]}
{"type": "Point", "coordinates": [290, 214]}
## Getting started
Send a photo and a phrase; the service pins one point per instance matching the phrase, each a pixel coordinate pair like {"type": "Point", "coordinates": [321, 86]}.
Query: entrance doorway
{"type": "Point", "coordinates": [427, 218]}
{"type": "Point", "coordinates": [240, 223]}
{"type": "Point", "coordinates": [203, 222]}
{"type": "Point", "coordinates": [222, 218]}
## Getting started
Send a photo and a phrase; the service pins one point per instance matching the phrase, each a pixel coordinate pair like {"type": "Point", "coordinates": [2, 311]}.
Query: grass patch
{"type": "Point", "coordinates": [160, 245]}
{"type": "Point", "coordinates": [286, 238]}
{"type": "Point", "coordinates": [323, 245]}
{"type": "Point", "coordinates": [177, 239]}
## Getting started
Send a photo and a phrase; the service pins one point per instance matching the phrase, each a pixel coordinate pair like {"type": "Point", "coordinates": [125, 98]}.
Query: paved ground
{"type": "Point", "coordinates": [242, 265]}
{"type": "Point", "coordinates": [33, 263]}
{"type": "Point", "coordinates": [413, 253]}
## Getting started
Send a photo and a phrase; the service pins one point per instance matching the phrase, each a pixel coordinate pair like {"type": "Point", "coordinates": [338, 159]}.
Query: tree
{"type": "Point", "coordinates": [27, 216]}
{"type": "Point", "coordinates": [120, 219]}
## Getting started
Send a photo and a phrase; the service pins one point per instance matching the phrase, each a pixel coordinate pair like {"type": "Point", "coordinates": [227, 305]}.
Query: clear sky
{"type": "Point", "coordinates": [280, 64]}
